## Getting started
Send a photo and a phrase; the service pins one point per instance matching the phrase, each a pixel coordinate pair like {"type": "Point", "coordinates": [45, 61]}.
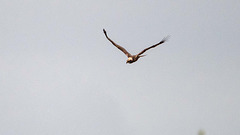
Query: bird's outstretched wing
{"type": "Point", "coordinates": [118, 46]}
{"type": "Point", "coordinates": [163, 40]}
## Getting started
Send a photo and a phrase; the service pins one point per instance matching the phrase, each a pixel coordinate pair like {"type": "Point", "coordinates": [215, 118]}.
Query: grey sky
{"type": "Point", "coordinates": [59, 75]}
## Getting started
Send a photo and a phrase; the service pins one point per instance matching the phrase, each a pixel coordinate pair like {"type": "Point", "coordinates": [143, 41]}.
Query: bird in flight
{"type": "Point", "coordinates": [133, 58]}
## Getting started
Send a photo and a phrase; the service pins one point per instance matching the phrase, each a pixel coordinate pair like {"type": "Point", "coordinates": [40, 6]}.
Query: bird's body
{"type": "Point", "coordinates": [132, 58]}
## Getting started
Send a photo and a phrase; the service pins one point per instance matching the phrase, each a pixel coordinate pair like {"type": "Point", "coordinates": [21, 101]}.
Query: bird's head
{"type": "Point", "coordinates": [129, 60]}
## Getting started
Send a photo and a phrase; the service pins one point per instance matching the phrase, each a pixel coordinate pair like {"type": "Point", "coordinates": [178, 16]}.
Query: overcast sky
{"type": "Point", "coordinates": [59, 75]}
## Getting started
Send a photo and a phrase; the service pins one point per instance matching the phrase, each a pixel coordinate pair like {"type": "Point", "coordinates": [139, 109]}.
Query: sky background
{"type": "Point", "coordinates": [59, 75]}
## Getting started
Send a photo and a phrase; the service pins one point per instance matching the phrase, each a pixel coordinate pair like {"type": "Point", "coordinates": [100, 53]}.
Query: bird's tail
{"type": "Point", "coordinates": [142, 55]}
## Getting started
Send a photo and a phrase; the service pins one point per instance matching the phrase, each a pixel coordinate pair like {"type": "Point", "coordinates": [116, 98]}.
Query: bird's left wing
{"type": "Point", "coordinates": [163, 40]}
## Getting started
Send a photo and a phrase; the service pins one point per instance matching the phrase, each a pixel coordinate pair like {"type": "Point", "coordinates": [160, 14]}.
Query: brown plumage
{"type": "Point", "coordinates": [133, 58]}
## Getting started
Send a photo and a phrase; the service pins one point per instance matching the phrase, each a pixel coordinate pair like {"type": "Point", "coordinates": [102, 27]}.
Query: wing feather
{"type": "Point", "coordinates": [118, 46]}
{"type": "Point", "coordinates": [163, 40]}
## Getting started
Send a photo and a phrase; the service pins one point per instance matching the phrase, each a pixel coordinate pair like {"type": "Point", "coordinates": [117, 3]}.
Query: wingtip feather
{"type": "Point", "coordinates": [104, 30]}
{"type": "Point", "coordinates": [166, 38]}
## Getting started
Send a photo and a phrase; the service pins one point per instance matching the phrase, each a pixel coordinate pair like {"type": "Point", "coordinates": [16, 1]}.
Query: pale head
{"type": "Point", "coordinates": [129, 60]}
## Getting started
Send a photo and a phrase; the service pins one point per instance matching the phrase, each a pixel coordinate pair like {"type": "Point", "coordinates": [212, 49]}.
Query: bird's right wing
{"type": "Point", "coordinates": [118, 46]}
